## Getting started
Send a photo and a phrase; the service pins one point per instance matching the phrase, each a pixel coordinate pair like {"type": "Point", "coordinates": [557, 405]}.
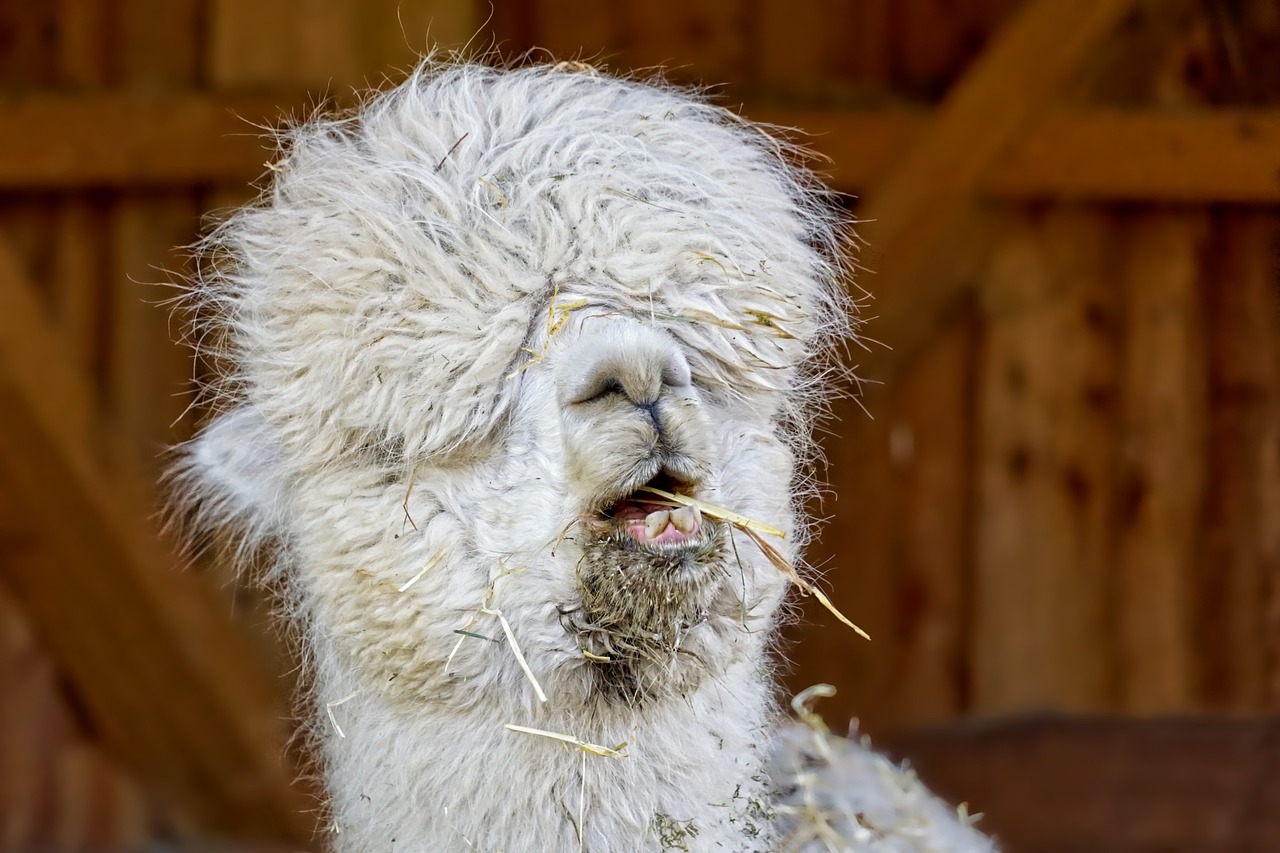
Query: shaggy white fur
{"type": "Point", "coordinates": [463, 328]}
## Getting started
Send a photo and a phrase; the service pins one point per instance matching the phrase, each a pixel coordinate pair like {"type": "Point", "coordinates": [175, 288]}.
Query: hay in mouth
{"type": "Point", "coordinates": [647, 518]}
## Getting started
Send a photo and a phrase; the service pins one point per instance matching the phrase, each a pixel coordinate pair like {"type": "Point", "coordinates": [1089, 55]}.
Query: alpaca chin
{"type": "Point", "coordinates": [497, 348]}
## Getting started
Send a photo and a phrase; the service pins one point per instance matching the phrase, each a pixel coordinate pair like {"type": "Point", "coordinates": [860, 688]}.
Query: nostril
{"type": "Point", "coordinates": [622, 378]}
{"type": "Point", "coordinates": [620, 360]}
{"type": "Point", "coordinates": [600, 389]}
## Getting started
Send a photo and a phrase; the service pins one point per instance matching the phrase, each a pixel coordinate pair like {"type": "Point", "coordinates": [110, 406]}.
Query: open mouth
{"type": "Point", "coordinates": [647, 518]}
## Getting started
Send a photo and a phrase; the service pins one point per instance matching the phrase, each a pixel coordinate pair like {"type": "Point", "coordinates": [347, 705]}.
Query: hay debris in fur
{"type": "Point", "coordinates": [328, 709]}
{"type": "Point", "coordinates": [592, 748]}
{"type": "Point", "coordinates": [557, 316]}
{"type": "Point", "coordinates": [848, 798]}
{"type": "Point", "coordinates": [431, 564]}
{"type": "Point", "coordinates": [515, 648]}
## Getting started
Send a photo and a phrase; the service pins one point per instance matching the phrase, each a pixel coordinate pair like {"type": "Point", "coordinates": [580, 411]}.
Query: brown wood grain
{"type": "Point", "coordinates": [331, 46]}
{"type": "Point", "coordinates": [925, 659]}
{"type": "Point", "coordinates": [57, 789]}
{"type": "Point", "coordinates": [895, 557]}
{"type": "Point", "coordinates": [801, 50]}
{"type": "Point", "coordinates": [1068, 152]}
{"type": "Point", "coordinates": [936, 40]}
{"type": "Point", "coordinates": [1173, 155]}
{"type": "Point", "coordinates": [1160, 489]}
{"type": "Point", "coordinates": [1114, 786]}
{"type": "Point", "coordinates": [1237, 602]}
{"type": "Point", "coordinates": [855, 556]}
{"type": "Point", "coordinates": [137, 140]}
{"type": "Point", "coordinates": [569, 29]}
{"type": "Point", "coordinates": [1047, 412]}
{"type": "Point", "coordinates": [923, 223]}
{"type": "Point", "coordinates": [78, 273]}
{"type": "Point", "coordinates": [670, 34]}
{"type": "Point", "coordinates": [164, 677]}
{"type": "Point", "coordinates": [148, 374]}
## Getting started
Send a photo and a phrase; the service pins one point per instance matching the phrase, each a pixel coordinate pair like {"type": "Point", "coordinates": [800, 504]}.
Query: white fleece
{"type": "Point", "coordinates": [461, 324]}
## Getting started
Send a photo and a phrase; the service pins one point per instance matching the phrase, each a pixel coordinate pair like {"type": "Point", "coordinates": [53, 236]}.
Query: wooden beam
{"type": "Point", "coordinates": [1196, 156]}
{"type": "Point", "coordinates": [1164, 414]}
{"type": "Point", "coordinates": [1059, 784]}
{"type": "Point", "coordinates": [1226, 155]}
{"type": "Point", "coordinates": [1070, 152]}
{"type": "Point", "coordinates": [165, 679]}
{"type": "Point", "coordinates": [71, 142]}
{"type": "Point", "coordinates": [925, 230]}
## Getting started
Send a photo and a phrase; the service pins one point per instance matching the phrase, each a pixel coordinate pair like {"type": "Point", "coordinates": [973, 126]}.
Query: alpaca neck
{"type": "Point", "coordinates": [418, 777]}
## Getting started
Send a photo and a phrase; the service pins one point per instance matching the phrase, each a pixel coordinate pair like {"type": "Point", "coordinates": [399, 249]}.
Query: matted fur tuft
{"type": "Point", "coordinates": [462, 327]}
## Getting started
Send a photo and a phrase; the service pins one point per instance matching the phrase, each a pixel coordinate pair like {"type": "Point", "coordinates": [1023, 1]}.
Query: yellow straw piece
{"type": "Point", "coordinates": [780, 563]}
{"type": "Point", "coordinates": [733, 518]}
{"type": "Point", "coordinates": [593, 748]}
{"type": "Point", "coordinates": [515, 647]}
{"type": "Point", "coordinates": [435, 559]}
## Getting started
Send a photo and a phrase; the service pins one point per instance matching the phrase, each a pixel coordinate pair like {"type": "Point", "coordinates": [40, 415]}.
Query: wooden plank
{"type": "Point", "coordinates": [114, 140]}
{"type": "Point", "coordinates": [148, 375]}
{"type": "Point", "coordinates": [135, 140]}
{"type": "Point", "coordinates": [149, 380]}
{"type": "Point", "coordinates": [1164, 409]}
{"type": "Point", "coordinates": [1047, 392]}
{"type": "Point", "coordinates": [667, 34]}
{"type": "Point", "coordinates": [150, 652]}
{"type": "Point", "coordinates": [78, 274]}
{"type": "Point", "coordinates": [782, 69]}
{"type": "Point", "coordinates": [82, 42]}
{"type": "Point", "coordinates": [336, 45]}
{"type": "Point", "coordinates": [1237, 592]}
{"type": "Point", "coordinates": [936, 39]}
{"type": "Point", "coordinates": [896, 551]}
{"type": "Point", "coordinates": [1108, 785]}
{"type": "Point", "coordinates": [855, 552]}
{"type": "Point", "coordinates": [922, 224]}
{"type": "Point", "coordinates": [565, 29]}
{"type": "Point", "coordinates": [921, 663]}
{"type": "Point", "coordinates": [1193, 155]}
{"type": "Point", "coordinates": [1026, 62]}
{"type": "Point", "coordinates": [1070, 152]}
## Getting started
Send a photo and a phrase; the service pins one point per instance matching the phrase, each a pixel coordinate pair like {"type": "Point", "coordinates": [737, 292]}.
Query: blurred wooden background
{"type": "Point", "coordinates": [1067, 498]}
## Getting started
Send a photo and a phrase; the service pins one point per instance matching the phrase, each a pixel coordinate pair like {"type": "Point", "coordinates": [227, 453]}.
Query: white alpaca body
{"type": "Point", "coordinates": [466, 331]}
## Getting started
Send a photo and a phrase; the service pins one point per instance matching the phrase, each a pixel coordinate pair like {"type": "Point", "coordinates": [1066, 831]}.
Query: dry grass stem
{"type": "Point", "coordinates": [328, 709]}
{"type": "Point", "coordinates": [515, 647]}
{"type": "Point", "coordinates": [800, 705]}
{"type": "Point", "coordinates": [431, 564]}
{"type": "Point", "coordinates": [753, 529]}
{"type": "Point", "coordinates": [557, 316]}
{"type": "Point", "coordinates": [593, 748]}
{"type": "Point", "coordinates": [463, 633]}
{"type": "Point", "coordinates": [781, 564]}
{"type": "Point", "coordinates": [413, 478]}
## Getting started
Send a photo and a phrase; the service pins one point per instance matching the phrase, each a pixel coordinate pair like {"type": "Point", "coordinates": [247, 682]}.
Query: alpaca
{"type": "Point", "coordinates": [464, 332]}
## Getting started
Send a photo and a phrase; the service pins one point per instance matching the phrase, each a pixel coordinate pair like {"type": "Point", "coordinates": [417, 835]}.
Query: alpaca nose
{"type": "Point", "coordinates": [622, 358]}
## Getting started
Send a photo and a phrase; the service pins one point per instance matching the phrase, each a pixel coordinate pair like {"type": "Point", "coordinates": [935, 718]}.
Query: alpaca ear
{"type": "Point", "coordinates": [236, 473]}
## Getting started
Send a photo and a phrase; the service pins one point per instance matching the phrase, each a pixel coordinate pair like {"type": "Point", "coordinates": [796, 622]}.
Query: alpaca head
{"type": "Point", "coordinates": [467, 328]}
